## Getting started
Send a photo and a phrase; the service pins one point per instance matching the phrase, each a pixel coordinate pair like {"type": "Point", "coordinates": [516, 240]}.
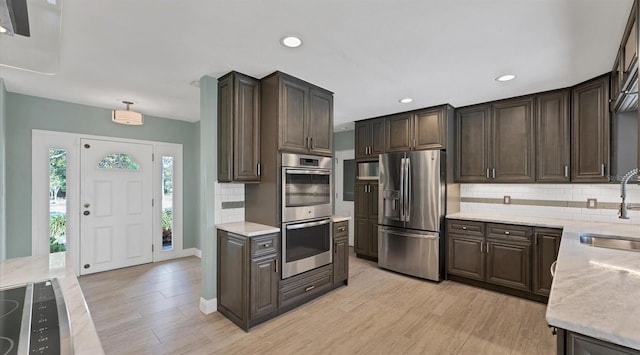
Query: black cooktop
{"type": "Point", "coordinates": [34, 320]}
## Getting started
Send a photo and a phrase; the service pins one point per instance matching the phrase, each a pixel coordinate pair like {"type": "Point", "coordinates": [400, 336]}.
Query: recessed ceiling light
{"type": "Point", "coordinates": [506, 77]}
{"type": "Point", "coordinates": [291, 42]}
{"type": "Point", "coordinates": [3, 30]}
{"type": "Point", "coordinates": [406, 100]}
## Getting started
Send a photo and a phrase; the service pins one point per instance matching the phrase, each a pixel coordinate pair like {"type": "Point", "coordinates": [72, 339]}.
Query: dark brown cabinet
{"type": "Point", "coordinates": [508, 263]}
{"type": "Point", "coordinates": [238, 128]}
{"type": "Point", "coordinates": [553, 141]}
{"type": "Point", "coordinates": [590, 131]}
{"type": "Point", "coordinates": [247, 277]}
{"type": "Point", "coordinates": [624, 75]}
{"type": "Point", "coordinates": [366, 220]}
{"type": "Point", "coordinates": [370, 138]}
{"type": "Point", "coordinates": [466, 257]}
{"type": "Point", "coordinates": [302, 112]}
{"type": "Point", "coordinates": [496, 142]}
{"type": "Point", "coordinates": [545, 252]}
{"type": "Point", "coordinates": [417, 130]}
{"type": "Point", "coordinates": [570, 343]}
{"type": "Point", "coordinates": [340, 252]}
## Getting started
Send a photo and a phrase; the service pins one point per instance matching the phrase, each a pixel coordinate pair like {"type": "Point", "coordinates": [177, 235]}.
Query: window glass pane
{"type": "Point", "coordinates": [167, 203]}
{"type": "Point", "coordinates": [118, 161]}
{"type": "Point", "coordinates": [57, 200]}
{"type": "Point", "coordinates": [348, 179]}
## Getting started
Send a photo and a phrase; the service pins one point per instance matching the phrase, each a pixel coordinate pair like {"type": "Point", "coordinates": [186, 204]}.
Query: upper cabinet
{"type": "Point", "coordinates": [495, 142]}
{"type": "Point", "coordinates": [370, 138]}
{"type": "Point", "coordinates": [624, 75]}
{"type": "Point", "coordinates": [553, 154]}
{"type": "Point", "coordinates": [417, 130]}
{"type": "Point", "coordinates": [590, 131]}
{"type": "Point", "coordinates": [238, 128]}
{"type": "Point", "coordinates": [302, 111]}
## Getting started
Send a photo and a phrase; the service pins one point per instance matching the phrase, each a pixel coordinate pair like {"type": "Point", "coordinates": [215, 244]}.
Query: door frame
{"type": "Point", "coordinates": [342, 206]}
{"type": "Point", "coordinates": [42, 141]}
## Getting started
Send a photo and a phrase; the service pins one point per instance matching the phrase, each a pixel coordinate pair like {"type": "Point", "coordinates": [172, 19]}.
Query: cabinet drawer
{"type": "Point", "coordinates": [508, 231]}
{"type": "Point", "coordinates": [264, 244]}
{"type": "Point", "coordinates": [465, 227]}
{"type": "Point", "coordinates": [340, 229]}
{"type": "Point", "coordinates": [299, 288]}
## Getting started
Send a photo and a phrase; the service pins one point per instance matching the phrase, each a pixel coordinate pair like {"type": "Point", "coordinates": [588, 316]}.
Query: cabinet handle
{"type": "Point", "coordinates": [493, 173]}
{"type": "Point", "coordinates": [309, 288]}
{"type": "Point", "coordinates": [259, 170]}
{"type": "Point", "coordinates": [414, 144]}
{"type": "Point", "coordinates": [554, 331]}
{"type": "Point", "coordinates": [535, 239]}
{"type": "Point", "coordinates": [341, 229]}
{"type": "Point", "coordinates": [464, 228]}
{"type": "Point", "coordinates": [310, 142]}
{"type": "Point", "coordinates": [552, 269]}
{"type": "Point", "coordinates": [368, 150]}
{"type": "Point", "coordinates": [507, 232]}
{"type": "Point", "coordinates": [487, 173]}
{"type": "Point", "coordinates": [276, 266]}
{"type": "Point", "coordinates": [602, 170]}
{"type": "Point", "coordinates": [488, 248]}
{"type": "Point", "coordinates": [566, 171]}
{"type": "Point", "coordinates": [481, 247]}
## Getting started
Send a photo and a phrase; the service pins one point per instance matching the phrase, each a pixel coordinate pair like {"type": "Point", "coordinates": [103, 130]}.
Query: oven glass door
{"type": "Point", "coordinates": [307, 187]}
{"type": "Point", "coordinates": [307, 245]}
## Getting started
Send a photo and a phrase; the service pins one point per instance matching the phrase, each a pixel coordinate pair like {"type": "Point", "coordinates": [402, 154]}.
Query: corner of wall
{"type": "Point", "coordinates": [3, 119]}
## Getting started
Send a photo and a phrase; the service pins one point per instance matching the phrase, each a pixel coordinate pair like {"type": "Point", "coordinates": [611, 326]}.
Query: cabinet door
{"type": "Point", "coordinates": [294, 98]}
{"type": "Point", "coordinates": [320, 122]}
{"type": "Point", "coordinates": [264, 286]}
{"type": "Point", "coordinates": [373, 238]}
{"type": "Point", "coordinates": [232, 276]}
{"type": "Point", "coordinates": [373, 201]}
{"type": "Point", "coordinates": [545, 252]}
{"type": "Point", "coordinates": [246, 129]}
{"type": "Point", "coordinates": [429, 130]}
{"type": "Point", "coordinates": [398, 129]}
{"type": "Point", "coordinates": [590, 131]}
{"type": "Point", "coordinates": [363, 138]}
{"type": "Point", "coordinates": [472, 130]}
{"type": "Point", "coordinates": [512, 138]}
{"type": "Point", "coordinates": [225, 129]}
{"type": "Point", "coordinates": [553, 137]}
{"type": "Point", "coordinates": [508, 264]}
{"type": "Point", "coordinates": [465, 256]}
{"type": "Point", "coordinates": [361, 200]}
{"type": "Point", "coordinates": [578, 344]}
{"type": "Point", "coordinates": [378, 141]}
{"type": "Point", "coordinates": [340, 260]}
{"type": "Point", "coordinates": [361, 237]}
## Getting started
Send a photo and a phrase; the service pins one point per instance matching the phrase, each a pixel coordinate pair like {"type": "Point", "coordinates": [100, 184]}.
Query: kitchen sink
{"type": "Point", "coordinates": [610, 241]}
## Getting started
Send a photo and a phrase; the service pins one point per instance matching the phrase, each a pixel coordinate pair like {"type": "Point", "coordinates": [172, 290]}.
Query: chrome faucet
{"type": "Point", "coordinates": [624, 207]}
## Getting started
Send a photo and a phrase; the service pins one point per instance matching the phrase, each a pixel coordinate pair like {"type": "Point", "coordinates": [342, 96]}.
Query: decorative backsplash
{"type": "Point", "coordinates": [229, 203]}
{"type": "Point", "coordinates": [566, 201]}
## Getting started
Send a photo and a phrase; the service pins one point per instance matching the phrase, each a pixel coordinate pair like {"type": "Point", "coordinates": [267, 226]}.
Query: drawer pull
{"type": "Point", "coordinates": [506, 232]}
{"type": "Point", "coordinates": [342, 229]}
{"type": "Point", "coordinates": [309, 288]}
{"type": "Point", "coordinates": [265, 245]}
{"type": "Point", "coordinates": [464, 228]}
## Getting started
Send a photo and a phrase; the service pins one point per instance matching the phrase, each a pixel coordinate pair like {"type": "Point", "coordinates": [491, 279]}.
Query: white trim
{"type": "Point", "coordinates": [41, 142]}
{"type": "Point", "coordinates": [208, 306]}
{"type": "Point", "coordinates": [191, 252]}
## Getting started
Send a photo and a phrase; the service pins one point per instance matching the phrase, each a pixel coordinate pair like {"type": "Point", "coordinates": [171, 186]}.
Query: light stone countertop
{"type": "Point", "coordinates": [19, 271]}
{"type": "Point", "coordinates": [596, 291]}
{"type": "Point", "coordinates": [247, 229]}
{"type": "Point", "coordinates": [337, 218]}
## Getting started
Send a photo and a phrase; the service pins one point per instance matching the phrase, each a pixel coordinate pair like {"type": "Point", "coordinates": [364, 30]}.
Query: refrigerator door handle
{"type": "Point", "coordinates": [408, 190]}
{"type": "Point", "coordinates": [402, 206]}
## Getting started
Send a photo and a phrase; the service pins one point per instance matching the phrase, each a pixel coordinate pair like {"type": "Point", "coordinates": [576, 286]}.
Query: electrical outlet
{"type": "Point", "coordinates": [592, 203]}
{"type": "Point", "coordinates": [507, 200]}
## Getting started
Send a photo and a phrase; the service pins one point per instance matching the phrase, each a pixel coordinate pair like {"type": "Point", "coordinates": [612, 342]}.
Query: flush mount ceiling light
{"type": "Point", "coordinates": [127, 116]}
{"type": "Point", "coordinates": [291, 42]}
{"type": "Point", "coordinates": [406, 100]}
{"type": "Point", "coordinates": [506, 77]}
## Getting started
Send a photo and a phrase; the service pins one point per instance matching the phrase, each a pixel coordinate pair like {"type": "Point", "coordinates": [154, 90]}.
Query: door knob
{"type": "Point", "coordinates": [86, 213]}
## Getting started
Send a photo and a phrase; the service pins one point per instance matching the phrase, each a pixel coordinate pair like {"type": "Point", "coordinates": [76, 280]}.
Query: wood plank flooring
{"type": "Point", "coordinates": [153, 309]}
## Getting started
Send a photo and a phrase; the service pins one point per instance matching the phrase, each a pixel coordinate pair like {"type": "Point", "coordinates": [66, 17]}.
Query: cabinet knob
{"type": "Point", "coordinates": [464, 228]}
{"type": "Point", "coordinates": [506, 232]}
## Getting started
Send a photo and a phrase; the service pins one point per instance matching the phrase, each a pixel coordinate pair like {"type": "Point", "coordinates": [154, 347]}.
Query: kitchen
{"type": "Point", "coordinates": [475, 197]}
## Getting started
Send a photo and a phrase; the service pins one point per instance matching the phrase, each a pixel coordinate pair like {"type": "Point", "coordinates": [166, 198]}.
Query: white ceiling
{"type": "Point", "coordinates": [370, 53]}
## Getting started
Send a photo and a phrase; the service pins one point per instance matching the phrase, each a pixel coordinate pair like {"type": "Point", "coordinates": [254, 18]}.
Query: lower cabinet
{"type": "Point", "coordinates": [509, 258]}
{"type": "Point", "coordinates": [366, 238]}
{"type": "Point", "coordinates": [570, 343]}
{"type": "Point", "coordinates": [340, 252]}
{"type": "Point", "coordinates": [247, 277]}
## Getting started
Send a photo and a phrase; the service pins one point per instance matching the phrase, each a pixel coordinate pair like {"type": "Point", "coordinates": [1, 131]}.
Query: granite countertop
{"type": "Point", "coordinates": [19, 271]}
{"type": "Point", "coordinates": [338, 218]}
{"type": "Point", "coordinates": [595, 291]}
{"type": "Point", "coordinates": [247, 229]}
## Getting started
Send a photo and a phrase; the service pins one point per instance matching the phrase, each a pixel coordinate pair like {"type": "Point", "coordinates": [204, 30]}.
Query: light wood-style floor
{"type": "Point", "coordinates": [153, 309]}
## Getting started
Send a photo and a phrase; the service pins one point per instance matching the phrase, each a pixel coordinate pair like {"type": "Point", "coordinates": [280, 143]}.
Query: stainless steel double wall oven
{"type": "Point", "coordinates": [306, 213]}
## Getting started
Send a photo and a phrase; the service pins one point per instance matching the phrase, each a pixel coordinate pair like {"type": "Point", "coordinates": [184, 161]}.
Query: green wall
{"type": "Point", "coordinates": [25, 113]}
{"type": "Point", "coordinates": [3, 224]}
{"type": "Point", "coordinates": [344, 140]}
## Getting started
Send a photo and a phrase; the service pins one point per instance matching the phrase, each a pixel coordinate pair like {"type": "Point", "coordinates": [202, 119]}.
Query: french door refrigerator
{"type": "Point", "coordinates": [411, 200]}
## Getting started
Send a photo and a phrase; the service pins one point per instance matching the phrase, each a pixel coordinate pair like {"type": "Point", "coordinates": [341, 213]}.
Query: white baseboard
{"type": "Point", "coordinates": [191, 252]}
{"type": "Point", "coordinates": [208, 306]}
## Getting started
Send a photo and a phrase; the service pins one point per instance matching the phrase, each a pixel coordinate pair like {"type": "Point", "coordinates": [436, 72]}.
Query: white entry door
{"type": "Point", "coordinates": [115, 205]}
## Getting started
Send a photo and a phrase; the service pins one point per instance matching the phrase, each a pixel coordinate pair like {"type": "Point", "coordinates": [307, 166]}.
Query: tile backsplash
{"type": "Point", "coordinates": [229, 203]}
{"type": "Point", "coordinates": [567, 201]}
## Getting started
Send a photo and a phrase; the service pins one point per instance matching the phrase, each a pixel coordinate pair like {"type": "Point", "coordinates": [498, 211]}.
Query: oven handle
{"type": "Point", "coordinates": [307, 172]}
{"type": "Point", "coordinates": [308, 224]}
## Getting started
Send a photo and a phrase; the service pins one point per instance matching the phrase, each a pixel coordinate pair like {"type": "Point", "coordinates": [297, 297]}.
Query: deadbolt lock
{"type": "Point", "coordinates": [86, 213]}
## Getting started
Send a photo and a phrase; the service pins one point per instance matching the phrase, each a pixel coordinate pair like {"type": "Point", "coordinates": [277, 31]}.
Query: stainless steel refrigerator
{"type": "Point", "coordinates": [412, 195]}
